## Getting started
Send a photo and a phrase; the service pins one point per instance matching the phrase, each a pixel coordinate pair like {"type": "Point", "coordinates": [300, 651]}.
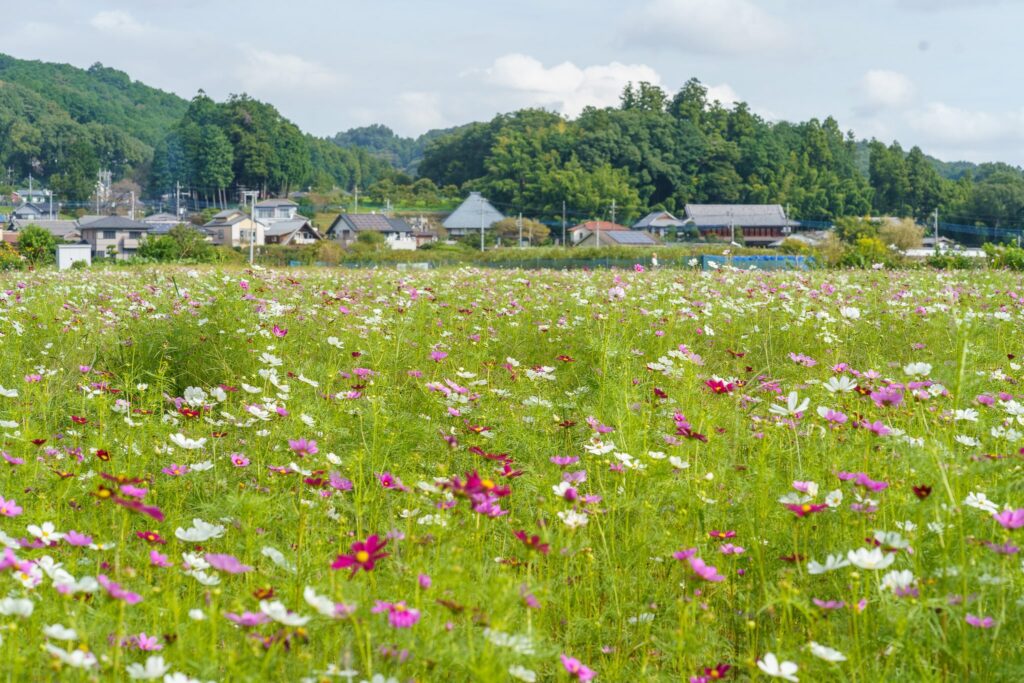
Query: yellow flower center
{"type": "Point", "coordinates": [487, 483]}
{"type": "Point", "coordinates": [362, 556]}
{"type": "Point", "coordinates": [805, 507]}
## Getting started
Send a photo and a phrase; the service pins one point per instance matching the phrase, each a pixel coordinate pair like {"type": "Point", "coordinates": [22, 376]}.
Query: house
{"type": "Point", "coordinates": [114, 235]}
{"type": "Point", "coordinates": [271, 210]}
{"type": "Point", "coordinates": [758, 224]}
{"type": "Point", "coordinates": [578, 233]}
{"type": "Point", "coordinates": [813, 238]}
{"type": "Point", "coordinates": [64, 231]}
{"type": "Point", "coordinates": [33, 196]}
{"type": "Point", "coordinates": [28, 212]}
{"type": "Point", "coordinates": [161, 223]}
{"type": "Point", "coordinates": [472, 215]}
{"type": "Point", "coordinates": [396, 232]}
{"type": "Point", "coordinates": [619, 238]}
{"type": "Point", "coordinates": [234, 228]}
{"type": "Point", "coordinates": [296, 231]}
{"type": "Point", "coordinates": [660, 223]}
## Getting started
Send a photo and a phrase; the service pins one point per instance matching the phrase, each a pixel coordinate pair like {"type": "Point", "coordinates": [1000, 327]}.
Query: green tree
{"type": "Point", "coordinates": [77, 180]}
{"type": "Point", "coordinates": [37, 244]}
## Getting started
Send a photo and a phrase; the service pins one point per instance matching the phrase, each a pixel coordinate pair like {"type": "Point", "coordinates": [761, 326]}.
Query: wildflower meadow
{"type": "Point", "coordinates": [480, 475]}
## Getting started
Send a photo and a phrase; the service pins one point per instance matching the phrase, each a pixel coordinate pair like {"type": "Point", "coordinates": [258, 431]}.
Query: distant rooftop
{"type": "Point", "coordinates": [472, 213]}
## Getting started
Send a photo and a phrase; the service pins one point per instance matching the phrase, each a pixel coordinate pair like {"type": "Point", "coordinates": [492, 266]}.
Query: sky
{"type": "Point", "coordinates": [941, 74]}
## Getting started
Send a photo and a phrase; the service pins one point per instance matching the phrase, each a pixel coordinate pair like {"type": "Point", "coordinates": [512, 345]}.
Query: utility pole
{"type": "Point", "coordinates": [563, 222]}
{"type": "Point", "coordinates": [732, 229]}
{"type": "Point", "coordinates": [519, 222]}
{"type": "Point", "coordinates": [936, 228]}
{"type": "Point", "coordinates": [177, 199]}
{"type": "Point", "coordinates": [252, 195]}
{"type": "Point", "coordinates": [481, 223]}
{"type": "Point", "coordinates": [131, 214]}
{"type": "Point", "coordinates": [356, 193]}
{"type": "Point", "coordinates": [50, 195]}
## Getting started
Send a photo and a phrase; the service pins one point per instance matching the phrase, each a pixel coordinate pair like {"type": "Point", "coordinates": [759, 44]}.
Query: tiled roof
{"type": "Point", "coordinates": [472, 212]}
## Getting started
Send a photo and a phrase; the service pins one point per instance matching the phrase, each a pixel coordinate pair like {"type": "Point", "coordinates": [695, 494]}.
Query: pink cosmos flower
{"type": "Point", "coordinates": [278, 331]}
{"type": "Point", "coordinates": [247, 619]}
{"type": "Point", "coordinates": [564, 460]}
{"type": "Point", "coordinates": [424, 581]}
{"type": "Point", "coordinates": [9, 508]}
{"type": "Point", "coordinates": [33, 378]}
{"type": "Point", "coordinates": [829, 604]}
{"type": "Point", "coordinates": [303, 447]}
{"type": "Point", "coordinates": [146, 643]}
{"type": "Point", "coordinates": [1009, 519]}
{"type": "Point", "coordinates": [239, 460]}
{"type": "Point", "coordinates": [399, 615]}
{"type": "Point", "coordinates": [175, 470]}
{"type": "Point", "coordinates": [980, 622]}
{"type": "Point", "coordinates": [730, 549]}
{"type": "Point", "coordinates": [705, 571]}
{"type": "Point", "coordinates": [11, 460]}
{"type": "Point", "coordinates": [438, 356]}
{"type": "Point", "coordinates": [157, 559]}
{"type": "Point", "coordinates": [133, 491]}
{"type": "Point", "coordinates": [227, 563]}
{"type": "Point", "coordinates": [115, 590]}
{"type": "Point", "coordinates": [577, 669]}
{"type": "Point", "coordinates": [887, 397]}
{"type": "Point", "coordinates": [364, 555]}
{"type": "Point", "coordinates": [74, 538]}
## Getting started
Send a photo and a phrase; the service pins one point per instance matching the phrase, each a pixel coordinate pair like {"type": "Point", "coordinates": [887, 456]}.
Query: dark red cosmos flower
{"type": "Point", "coordinates": [475, 485]}
{"type": "Point", "coordinates": [500, 457]}
{"type": "Point", "coordinates": [264, 593]}
{"type": "Point", "coordinates": [102, 454]}
{"type": "Point", "coordinates": [736, 354]}
{"type": "Point", "coordinates": [79, 420]}
{"type": "Point", "coordinates": [185, 411]}
{"type": "Point", "coordinates": [659, 393]}
{"type": "Point", "coordinates": [718, 386]}
{"type": "Point", "coordinates": [364, 555]}
{"type": "Point", "coordinates": [38, 442]}
{"type": "Point", "coordinates": [151, 537]}
{"type": "Point", "coordinates": [565, 424]}
{"type": "Point", "coordinates": [566, 359]}
{"type": "Point", "coordinates": [922, 491]}
{"type": "Point", "coordinates": [684, 428]}
{"type": "Point", "coordinates": [715, 673]}
{"type": "Point", "coordinates": [148, 510]}
{"type": "Point", "coordinates": [806, 509]}
{"type": "Point", "coordinates": [532, 542]}
{"type": "Point", "coordinates": [722, 534]}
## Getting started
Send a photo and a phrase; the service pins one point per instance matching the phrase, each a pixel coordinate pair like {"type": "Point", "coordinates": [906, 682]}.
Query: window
{"type": "Point", "coordinates": [109, 234]}
{"type": "Point", "coordinates": [135, 235]}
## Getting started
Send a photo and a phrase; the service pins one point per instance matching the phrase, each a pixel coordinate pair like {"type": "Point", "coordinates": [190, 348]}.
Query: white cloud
{"type": "Point", "coordinates": [948, 125]}
{"type": "Point", "coordinates": [884, 89]}
{"type": "Point", "coordinates": [565, 86]}
{"type": "Point", "coordinates": [117, 22]}
{"type": "Point", "coordinates": [266, 72]}
{"type": "Point", "coordinates": [720, 27]}
{"type": "Point", "coordinates": [723, 93]}
{"type": "Point", "coordinates": [420, 111]}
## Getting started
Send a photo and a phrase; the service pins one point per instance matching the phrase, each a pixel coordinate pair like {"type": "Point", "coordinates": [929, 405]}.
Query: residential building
{"type": "Point", "coordinates": [161, 223]}
{"type": "Point", "coordinates": [34, 196]}
{"type": "Point", "coordinates": [64, 231]}
{"type": "Point", "coordinates": [471, 215]}
{"type": "Point", "coordinates": [114, 235]}
{"type": "Point", "coordinates": [271, 210]}
{"type": "Point", "coordinates": [578, 233]}
{"type": "Point", "coordinates": [234, 228]}
{"type": "Point", "coordinates": [757, 224]}
{"type": "Point", "coordinates": [396, 232]}
{"type": "Point", "coordinates": [28, 212]}
{"type": "Point", "coordinates": [294, 232]}
{"type": "Point", "coordinates": [619, 238]}
{"type": "Point", "coordinates": [660, 223]}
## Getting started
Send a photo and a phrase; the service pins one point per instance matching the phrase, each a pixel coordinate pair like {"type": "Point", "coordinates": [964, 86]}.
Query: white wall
{"type": "Point", "coordinates": [69, 253]}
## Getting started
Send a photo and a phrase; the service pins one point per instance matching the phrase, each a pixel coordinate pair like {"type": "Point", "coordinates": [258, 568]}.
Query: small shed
{"type": "Point", "coordinates": [68, 254]}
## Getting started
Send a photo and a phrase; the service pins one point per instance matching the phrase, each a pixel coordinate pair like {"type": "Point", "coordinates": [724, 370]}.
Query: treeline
{"type": "Point", "coordinates": [659, 152]}
{"type": "Point", "coordinates": [217, 147]}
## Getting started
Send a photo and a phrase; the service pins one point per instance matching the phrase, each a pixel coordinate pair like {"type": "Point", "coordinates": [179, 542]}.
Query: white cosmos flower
{"type": "Point", "coordinates": [184, 442]}
{"type": "Point", "coordinates": [968, 441]}
{"type": "Point", "coordinates": [335, 342]}
{"type": "Point", "coordinates": [969, 415]}
{"type": "Point", "coordinates": [78, 659]}
{"type": "Point", "coordinates": [178, 677]}
{"type": "Point", "coordinates": [201, 466]}
{"type": "Point", "coordinates": [199, 531]}
{"type": "Point", "coordinates": [573, 519]}
{"type": "Point", "coordinates": [60, 632]}
{"type": "Point", "coordinates": [917, 369]}
{"type": "Point", "coordinates": [771, 665]}
{"type": "Point", "coordinates": [832, 563]}
{"type": "Point", "coordinates": [898, 580]}
{"type": "Point", "coordinates": [873, 558]}
{"type": "Point", "coordinates": [321, 603]}
{"type": "Point", "coordinates": [834, 498]}
{"type": "Point", "coordinates": [793, 405]}
{"type": "Point", "coordinates": [45, 532]}
{"type": "Point", "coordinates": [279, 613]}
{"type": "Point", "coordinates": [16, 607]}
{"type": "Point", "coordinates": [9, 393]}
{"type": "Point", "coordinates": [824, 652]}
{"type": "Point", "coordinates": [195, 397]}
{"type": "Point", "coordinates": [196, 614]}
{"type": "Point", "coordinates": [521, 673]}
{"type": "Point", "coordinates": [979, 501]}
{"type": "Point", "coordinates": [154, 668]}
{"type": "Point", "coordinates": [278, 558]}
{"type": "Point", "coordinates": [840, 385]}
{"type": "Point", "coordinates": [850, 312]}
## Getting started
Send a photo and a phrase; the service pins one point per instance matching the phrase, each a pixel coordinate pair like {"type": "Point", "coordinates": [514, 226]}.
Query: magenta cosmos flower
{"type": "Point", "coordinates": [303, 447]}
{"type": "Point", "coordinates": [9, 508]}
{"type": "Point", "coordinates": [1009, 519]}
{"type": "Point", "coordinates": [364, 555]}
{"type": "Point", "coordinates": [228, 564]}
{"type": "Point", "coordinates": [399, 615]}
{"type": "Point", "coordinates": [577, 669]}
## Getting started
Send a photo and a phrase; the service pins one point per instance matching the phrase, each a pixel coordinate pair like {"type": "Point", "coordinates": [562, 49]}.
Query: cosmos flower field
{"type": "Point", "coordinates": [476, 475]}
